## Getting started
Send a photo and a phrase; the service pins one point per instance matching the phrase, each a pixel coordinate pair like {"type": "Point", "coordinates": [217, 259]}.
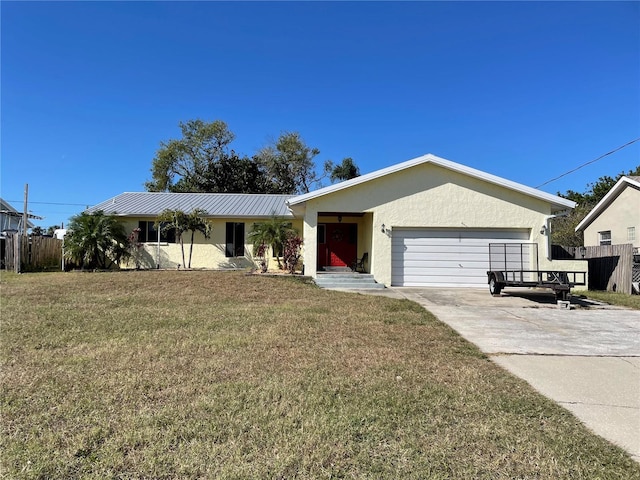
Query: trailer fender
{"type": "Point", "coordinates": [499, 276]}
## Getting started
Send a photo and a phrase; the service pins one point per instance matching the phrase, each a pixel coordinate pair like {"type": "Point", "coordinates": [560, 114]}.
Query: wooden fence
{"type": "Point", "coordinates": [610, 266]}
{"type": "Point", "coordinates": [23, 253]}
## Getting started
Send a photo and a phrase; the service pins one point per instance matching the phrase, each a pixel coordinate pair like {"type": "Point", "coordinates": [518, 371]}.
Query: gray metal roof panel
{"type": "Point", "coordinates": [215, 204]}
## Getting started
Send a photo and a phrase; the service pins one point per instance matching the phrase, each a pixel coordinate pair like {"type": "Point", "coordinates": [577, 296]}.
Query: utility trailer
{"type": "Point", "coordinates": [516, 265]}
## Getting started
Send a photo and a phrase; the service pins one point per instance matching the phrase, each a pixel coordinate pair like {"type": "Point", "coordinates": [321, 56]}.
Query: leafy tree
{"type": "Point", "coordinates": [563, 228]}
{"type": "Point", "coordinates": [289, 164]}
{"type": "Point", "coordinates": [201, 161]}
{"type": "Point", "coordinates": [37, 231]}
{"type": "Point", "coordinates": [235, 174]}
{"type": "Point", "coordinates": [96, 240]}
{"type": "Point", "coordinates": [273, 233]}
{"type": "Point", "coordinates": [182, 165]}
{"type": "Point", "coordinates": [197, 222]}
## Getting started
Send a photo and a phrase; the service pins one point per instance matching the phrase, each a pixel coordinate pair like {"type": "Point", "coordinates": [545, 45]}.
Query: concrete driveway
{"type": "Point", "coordinates": [587, 359]}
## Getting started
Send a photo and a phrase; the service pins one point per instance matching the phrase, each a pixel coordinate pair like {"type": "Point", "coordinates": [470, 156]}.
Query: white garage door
{"type": "Point", "coordinates": [445, 257]}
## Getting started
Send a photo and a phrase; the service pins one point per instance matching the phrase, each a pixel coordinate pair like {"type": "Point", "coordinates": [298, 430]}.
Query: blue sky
{"type": "Point", "coordinates": [523, 90]}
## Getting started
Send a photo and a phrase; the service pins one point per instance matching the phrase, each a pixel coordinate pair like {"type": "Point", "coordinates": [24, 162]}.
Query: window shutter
{"type": "Point", "coordinates": [229, 240]}
{"type": "Point", "coordinates": [239, 240]}
{"type": "Point", "coordinates": [142, 236]}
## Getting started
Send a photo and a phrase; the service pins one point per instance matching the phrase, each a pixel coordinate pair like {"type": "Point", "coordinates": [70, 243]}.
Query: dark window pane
{"type": "Point", "coordinates": [322, 234]}
{"type": "Point", "coordinates": [152, 233]}
{"type": "Point", "coordinates": [353, 233]}
{"type": "Point", "coordinates": [239, 240]}
{"type": "Point", "coordinates": [142, 236]}
{"type": "Point", "coordinates": [228, 252]}
{"type": "Point", "coordinates": [169, 236]}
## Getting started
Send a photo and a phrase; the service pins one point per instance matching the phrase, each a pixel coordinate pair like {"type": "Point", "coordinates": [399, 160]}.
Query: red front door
{"type": "Point", "coordinates": [340, 246]}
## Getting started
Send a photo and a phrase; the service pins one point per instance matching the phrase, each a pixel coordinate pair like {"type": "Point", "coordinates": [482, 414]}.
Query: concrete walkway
{"type": "Point", "coordinates": [587, 359]}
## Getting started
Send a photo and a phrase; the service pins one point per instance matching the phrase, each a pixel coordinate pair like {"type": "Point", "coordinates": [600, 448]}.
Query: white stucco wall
{"type": "Point", "coordinates": [428, 195]}
{"type": "Point", "coordinates": [207, 253]}
{"type": "Point", "coordinates": [622, 212]}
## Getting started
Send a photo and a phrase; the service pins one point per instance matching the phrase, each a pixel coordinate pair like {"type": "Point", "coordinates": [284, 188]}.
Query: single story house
{"type": "Point", "coordinates": [616, 218]}
{"type": "Point", "coordinates": [231, 216]}
{"type": "Point", "coordinates": [424, 222]}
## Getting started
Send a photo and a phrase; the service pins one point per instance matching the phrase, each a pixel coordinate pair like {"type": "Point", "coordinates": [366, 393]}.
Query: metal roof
{"type": "Point", "coordinates": [7, 211]}
{"type": "Point", "coordinates": [238, 205]}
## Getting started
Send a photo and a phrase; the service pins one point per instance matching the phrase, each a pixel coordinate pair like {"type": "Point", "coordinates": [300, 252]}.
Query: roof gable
{"type": "Point", "coordinates": [239, 205]}
{"type": "Point", "coordinates": [558, 203]}
{"type": "Point", "coordinates": [607, 200]}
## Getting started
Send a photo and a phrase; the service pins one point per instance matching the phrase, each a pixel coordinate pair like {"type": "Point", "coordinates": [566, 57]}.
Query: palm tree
{"type": "Point", "coordinates": [196, 222]}
{"type": "Point", "coordinates": [173, 220]}
{"type": "Point", "coordinates": [345, 171]}
{"type": "Point", "coordinates": [272, 233]}
{"type": "Point", "coordinates": [181, 222]}
{"type": "Point", "coordinates": [96, 240]}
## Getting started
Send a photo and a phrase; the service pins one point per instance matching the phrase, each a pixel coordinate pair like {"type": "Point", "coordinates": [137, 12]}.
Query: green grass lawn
{"type": "Point", "coordinates": [614, 298]}
{"type": "Point", "coordinates": [224, 375]}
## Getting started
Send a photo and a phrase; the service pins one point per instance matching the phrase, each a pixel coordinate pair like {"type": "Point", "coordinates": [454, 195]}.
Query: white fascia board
{"type": "Point", "coordinates": [606, 201]}
{"type": "Point", "coordinates": [357, 181]}
{"type": "Point", "coordinates": [560, 202]}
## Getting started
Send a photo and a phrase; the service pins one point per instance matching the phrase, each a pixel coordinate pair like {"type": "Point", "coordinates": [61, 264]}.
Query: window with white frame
{"type": "Point", "coordinates": [149, 233]}
{"type": "Point", "coordinates": [631, 233]}
{"type": "Point", "coordinates": [605, 237]}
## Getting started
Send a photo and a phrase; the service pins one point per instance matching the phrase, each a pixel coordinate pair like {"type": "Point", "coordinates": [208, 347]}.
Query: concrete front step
{"type": "Point", "coordinates": [352, 286]}
{"type": "Point", "coordinates": [339, 277]}
{"type": "Point", "coordinates": [346, 280]}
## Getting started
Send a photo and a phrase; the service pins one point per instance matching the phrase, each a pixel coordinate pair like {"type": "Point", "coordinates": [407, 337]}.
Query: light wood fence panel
{"type": "Point", "coordinates": [610, 266]}
{"type": "Point", "coordinates": [24, 253]}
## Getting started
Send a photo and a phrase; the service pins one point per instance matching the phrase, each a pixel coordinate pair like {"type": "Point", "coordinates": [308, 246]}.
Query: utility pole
{"type": "Point", "coordinates": [25, 216]}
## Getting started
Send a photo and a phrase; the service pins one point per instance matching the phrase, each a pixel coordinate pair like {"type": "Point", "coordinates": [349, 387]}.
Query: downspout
{"type": "Point", "coordinates": [546, 230]}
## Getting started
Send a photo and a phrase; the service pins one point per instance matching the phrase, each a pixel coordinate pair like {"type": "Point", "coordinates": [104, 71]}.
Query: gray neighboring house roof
{"type": "Point", "coordinates": [11, 218]}
{"type": "Point", "coordinates": [228, 205]}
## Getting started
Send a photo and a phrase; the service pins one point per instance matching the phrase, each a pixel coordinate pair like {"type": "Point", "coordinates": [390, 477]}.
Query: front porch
{"type": "Point", "coordinates": [343, 238]}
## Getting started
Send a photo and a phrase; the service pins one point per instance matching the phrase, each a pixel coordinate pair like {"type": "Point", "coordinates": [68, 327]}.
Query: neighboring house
{"type": "Point", "coordinates": [424, 222]}
{"type": "Point", "coordinates": [11, 219]}
{"type": "Point", "coordinates": [616, 218]}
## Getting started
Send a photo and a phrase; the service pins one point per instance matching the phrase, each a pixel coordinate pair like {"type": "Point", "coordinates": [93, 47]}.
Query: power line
{"type": "Point", "coordinates": [589, 163]}
{"type": "Point", "coordinates": [54, 203]}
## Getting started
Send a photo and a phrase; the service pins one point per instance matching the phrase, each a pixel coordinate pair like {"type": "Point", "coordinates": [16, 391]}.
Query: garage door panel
{"type": "Point", "coordinates": [443, 249]}
{"type": "Point", "coordinates": [452, 242]}
{"type": "Point", "coordinates": [440, 257]}
{"type": "Point", "coordinates": [465, 233]}
{"type": "Point", "coordinates": [450, 256]}
{"type": "Point", "coordinates": [444, 271]}
{"type": "Point", "coordinates": [444, 263]}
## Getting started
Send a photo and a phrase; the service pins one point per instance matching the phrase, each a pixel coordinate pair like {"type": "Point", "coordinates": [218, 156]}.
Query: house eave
{"type": "Point", "coordinates": [557, 203]}
{"type": "Point", "coordinates": [606, 201]}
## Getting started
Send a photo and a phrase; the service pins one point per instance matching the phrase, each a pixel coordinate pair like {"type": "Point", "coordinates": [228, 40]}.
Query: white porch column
{"type": "Point", "coordinates": [310, 237]}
